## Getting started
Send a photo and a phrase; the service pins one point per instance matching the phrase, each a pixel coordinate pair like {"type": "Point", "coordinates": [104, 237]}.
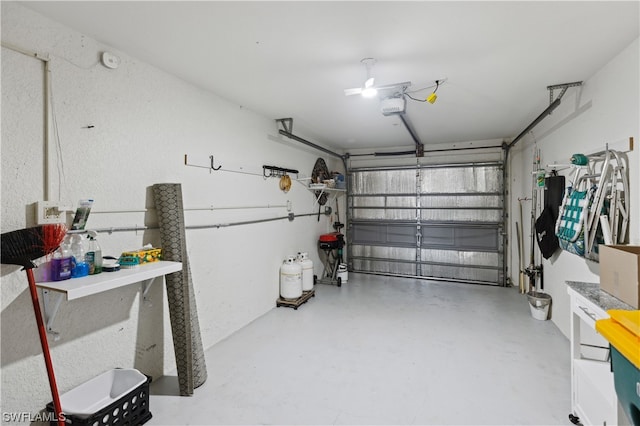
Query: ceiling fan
{"type": "Point", "coordinates": [369, 90]}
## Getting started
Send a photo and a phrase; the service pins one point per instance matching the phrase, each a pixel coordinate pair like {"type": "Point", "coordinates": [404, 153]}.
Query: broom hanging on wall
{"type": "Point", "coordinates": [22, 247]}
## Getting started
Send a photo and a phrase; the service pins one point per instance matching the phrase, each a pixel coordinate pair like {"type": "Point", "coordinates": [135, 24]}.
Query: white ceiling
{"type": "Point", "coordinates": [294, 58]}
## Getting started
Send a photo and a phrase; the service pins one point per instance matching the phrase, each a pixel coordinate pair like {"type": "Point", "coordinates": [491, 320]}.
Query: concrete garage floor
{"type": "Point", "coordinates": [382, 350]}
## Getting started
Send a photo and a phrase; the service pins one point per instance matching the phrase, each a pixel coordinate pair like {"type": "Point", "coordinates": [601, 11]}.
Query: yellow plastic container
{"type": "Point", "coordinates": [622, 331]}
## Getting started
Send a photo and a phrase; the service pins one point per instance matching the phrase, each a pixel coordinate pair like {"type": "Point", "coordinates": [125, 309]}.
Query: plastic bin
{"type": "Point", "coordinates": [539, 305]}
{"type": "Point", "coordinates": [116, 397]}
{"type": "Point", "coordinates": [622, 331]}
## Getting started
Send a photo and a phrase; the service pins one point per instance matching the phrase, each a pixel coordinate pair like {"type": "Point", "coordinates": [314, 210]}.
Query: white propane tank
{"type": "Point", "coordinates": [290, 279]}
{"type": "Point", "coordinates": [307, 271]}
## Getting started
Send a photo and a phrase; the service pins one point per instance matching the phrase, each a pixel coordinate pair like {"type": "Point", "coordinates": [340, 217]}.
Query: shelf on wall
{"type": "Point", "coordinates": [75, 288]}
{"type": "Point", "coordinates": [333, 192]}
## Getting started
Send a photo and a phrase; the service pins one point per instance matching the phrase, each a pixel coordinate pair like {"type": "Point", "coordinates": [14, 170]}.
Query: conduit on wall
{"type": "Point", "coordinates": [44, 58]}
{"type": "Point", "coordinates": [192, 209]}
{"type": "Point", "coordinates": [137, 228]}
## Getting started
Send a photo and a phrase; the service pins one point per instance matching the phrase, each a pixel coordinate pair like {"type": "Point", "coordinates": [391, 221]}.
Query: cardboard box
{"type": "Point", "coordinates": [620, 272]}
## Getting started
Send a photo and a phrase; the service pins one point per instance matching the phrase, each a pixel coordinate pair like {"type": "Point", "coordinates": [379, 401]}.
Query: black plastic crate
{"type": "Point", "coordinates": [130, 410]}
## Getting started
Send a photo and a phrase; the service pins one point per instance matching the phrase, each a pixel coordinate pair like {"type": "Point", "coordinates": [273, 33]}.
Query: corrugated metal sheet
{"type": "Point", "coordinates": [442, 222]}
{"type": "Point", "coordinates": [461, 215]}
{"type": "Point", "coordinates": [461, 179]}
{"type": "Point", "coordinates": [390, 207]}
{"type": "Point", "coordinates": [383, 267]}
{"type": "Point", "coordinates": [461, 258]}
{"type": "Point", "coordinates": [463, 274]}
{"type": "Point", "coordinates": [384, 182]}
{"type": "Point", "coordinates": [397, 253]}
{"type": "Point", "coordinates": [462, 201]}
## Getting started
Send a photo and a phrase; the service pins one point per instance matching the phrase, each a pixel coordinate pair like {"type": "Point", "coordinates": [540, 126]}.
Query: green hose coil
{"type": "Point", "coordinates": [579, 160]}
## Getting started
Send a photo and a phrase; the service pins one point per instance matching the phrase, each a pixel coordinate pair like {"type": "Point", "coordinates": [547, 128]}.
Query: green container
{"type": "Point", "coordinates": [627, 382]}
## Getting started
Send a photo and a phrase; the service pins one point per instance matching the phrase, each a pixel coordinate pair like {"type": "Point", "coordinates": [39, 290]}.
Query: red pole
{"type": "Point", "coordinates": [45, 348]}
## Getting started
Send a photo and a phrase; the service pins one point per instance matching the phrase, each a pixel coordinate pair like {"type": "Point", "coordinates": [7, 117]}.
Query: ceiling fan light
{"type": "Point", "coordinates": [369, 92]}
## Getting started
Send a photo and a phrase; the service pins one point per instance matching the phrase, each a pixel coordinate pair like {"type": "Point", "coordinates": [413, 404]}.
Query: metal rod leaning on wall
{"type": "Point", "coordinates": [218, 225]}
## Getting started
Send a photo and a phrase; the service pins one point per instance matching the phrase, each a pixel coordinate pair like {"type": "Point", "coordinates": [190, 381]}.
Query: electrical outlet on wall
{"type": "Point", "coordinates": [50, 212]}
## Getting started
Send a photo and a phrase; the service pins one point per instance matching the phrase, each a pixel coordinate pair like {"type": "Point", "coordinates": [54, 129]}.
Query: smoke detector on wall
{"type": "Point", "coordinates": [394, 105]}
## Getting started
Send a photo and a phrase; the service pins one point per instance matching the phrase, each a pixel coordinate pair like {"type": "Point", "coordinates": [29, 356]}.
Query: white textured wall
{"type": "Point", "coordinates": [144, 121]}
{"type": "Point", "coordinates": [605, 109]}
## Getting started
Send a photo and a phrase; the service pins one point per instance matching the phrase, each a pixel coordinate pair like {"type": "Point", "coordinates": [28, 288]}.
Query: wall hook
{"type": "Point", "coordinates": [212, 166]}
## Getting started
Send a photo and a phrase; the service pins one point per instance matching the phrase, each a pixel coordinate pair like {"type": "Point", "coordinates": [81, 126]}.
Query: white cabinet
{"type": "Point", "coordinates": [593, 395]}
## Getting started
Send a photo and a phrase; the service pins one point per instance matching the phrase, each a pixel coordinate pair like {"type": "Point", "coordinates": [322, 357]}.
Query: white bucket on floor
{"type": "Point", "coordinates": [343, 273]}
{"type": "Point", "coordinates": [539, 304]}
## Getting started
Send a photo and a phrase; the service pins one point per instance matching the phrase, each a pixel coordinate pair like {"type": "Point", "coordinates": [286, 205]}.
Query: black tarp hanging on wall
{"type": "Point", "coordinates": [546, 222]}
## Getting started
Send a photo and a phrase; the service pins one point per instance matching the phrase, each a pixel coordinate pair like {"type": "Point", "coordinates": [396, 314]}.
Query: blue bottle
{"type": "Point", "coordinates": [79, 265]}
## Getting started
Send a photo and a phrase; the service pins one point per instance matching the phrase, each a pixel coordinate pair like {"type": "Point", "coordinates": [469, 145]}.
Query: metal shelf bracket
{"type": "Point", "coordinates": [51, 301]}
{"type": "Point", "coordinates": [146, 285]}
{"type": "Point", "coordinates": [563, 87]}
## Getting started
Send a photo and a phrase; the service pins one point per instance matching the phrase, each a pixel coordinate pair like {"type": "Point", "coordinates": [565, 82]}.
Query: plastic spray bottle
{"type": "Point", "coordinates": [93, 257]}
{"type": "Point", "coordinates": [80, 268]}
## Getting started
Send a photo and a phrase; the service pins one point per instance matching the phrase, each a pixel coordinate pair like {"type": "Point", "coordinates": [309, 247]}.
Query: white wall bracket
{"type": "Point", "coordinates": [51, 301]}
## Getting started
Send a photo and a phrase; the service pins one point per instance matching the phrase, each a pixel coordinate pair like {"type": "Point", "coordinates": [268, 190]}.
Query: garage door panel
{"type": "Point", "coordinates": [460, 258]}
{"type": "Point", "coordinates": [460, 237]}
{"type": "Point", "coordinates": [367, 234]}
{"type": "Point", "coordinates": [438, 237]}
{"type": "Point", "coordinates": [477, 238]}
{"type": "Point", "coordinates": [432, 221]}
{"type": "Point", "coordinates": [462, 179]}
{"type": "Point", "coordinates": [452, 215]}
{"type": "Point", "coordinates": [384, 207]}
{"type": "Point", "coordinates": [461, 274]}
{"type": "Point", "coordinates": [469, 201]}
{"type": "Point", "coordinates": [391, 181]}
{"type": "Point", "coordinates": [402, 201]}
{"type": "Point", "coordinates": [385, 267]}
{"type": "Point", "coordinates": [383, 234]}
{"type": "Point", "coordinates": [382, 252]}
{"type": "Point", "coordinates": [380, 259]}
{"type": "Point", "coordinates": [369, 201]}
